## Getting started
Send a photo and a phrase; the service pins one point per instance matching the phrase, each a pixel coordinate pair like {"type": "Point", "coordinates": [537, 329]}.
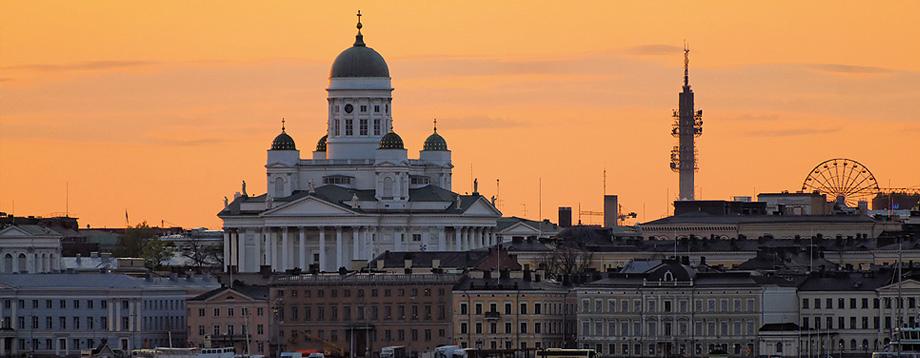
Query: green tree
{"type": "Point", "coordinates": [131, 244]}
{"type": "Point", "coordinates": [155, 251]}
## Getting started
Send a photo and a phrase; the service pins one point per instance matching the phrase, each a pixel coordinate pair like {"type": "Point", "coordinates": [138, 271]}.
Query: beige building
{"type": "Point", "coordinates": [517, 311]}
{"type": "Point", "coordinates": [667, 308]}
{"type": "Point", "coordinates": [231, 317]}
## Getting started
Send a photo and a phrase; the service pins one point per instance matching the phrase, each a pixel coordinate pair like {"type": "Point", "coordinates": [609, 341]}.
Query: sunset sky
{"type": "Point", "coordinates": [161, 108]}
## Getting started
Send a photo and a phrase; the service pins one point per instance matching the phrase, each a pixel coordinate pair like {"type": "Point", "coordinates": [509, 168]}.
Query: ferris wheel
{"type": "Point", "coordinates": [842, 177]}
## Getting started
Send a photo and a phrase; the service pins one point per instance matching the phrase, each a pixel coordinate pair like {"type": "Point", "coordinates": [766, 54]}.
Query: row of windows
{"type": "Point", "coordinates": [230, 330]}
{"type": "Point", "coordinates": [522, 308]}
{"type": "Point", "coordinates": [701, 328]}
{"type": "Point", "coordinates": [349, 127]}
{"type": "Point", "coordinates": [658, 350]}
{"type": "Point", "coordinates": [374, 292]}
{"type": "Point", "coordinates": [624, 306]}
{"type": "Point", "coordinates": [842, 303]}
{"type": "Point", "coordinates": [231, 311]}
{"type": "Point", "coordinates": [89, 323]}
{"type": "Point", "coordinates": [854, 322]}
{"type": "Point", "coordinates": [364, 313]}
{"type": "Point", "coordinates": [552, 327]}
{"type": "Point", "coordinates": [92, 304]}
{"type": "Point", "coordinates": [349, 108]}
{"type": "Point", "coordinates": [388, 334]}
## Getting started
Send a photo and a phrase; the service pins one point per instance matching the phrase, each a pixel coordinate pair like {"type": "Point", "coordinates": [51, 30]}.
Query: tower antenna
{"type": "Point", "coordinates": [686, 64]}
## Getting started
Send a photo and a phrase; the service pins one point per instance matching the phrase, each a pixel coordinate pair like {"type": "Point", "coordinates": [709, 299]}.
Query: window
{"type": "Point", "coordinates": [537, 308]}
{"type": "Point", "coordinates": [376, 108]}
{"type": "Point", "coordinates": [348, 127]}
{"type": "Point", "coordinates": [463, 309]}
{"type": "Point", "coordinates": [507, 308]}
{"type": "Point", "coordinates": [363, 108]}
{"type": "Point", "coordinates": [336, 126]}
{"type": "Point", "coordinates": [376, 127]}
{"type": "Point", "coordinates": [363, 127]}
{"type": "Point", "coordinates": [523, 308]}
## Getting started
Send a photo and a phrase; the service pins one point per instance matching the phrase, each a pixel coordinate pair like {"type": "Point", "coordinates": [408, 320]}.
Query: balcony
{"type": "Point", "coordinates": [493, 315]}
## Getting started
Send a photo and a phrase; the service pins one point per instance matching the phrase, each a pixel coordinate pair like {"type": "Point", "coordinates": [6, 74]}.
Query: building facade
{"type": "Point", "coordinates": [236, 317]}
{"type": "Point", "coordinates": [669, 308]}
{"type": "Point", "coordinates": [29, 249]}
{"type": "Point", "coordinates": [62, 314]}
{"type": "Point", "coordinates": [360, 313]}
{"type": "Point", "coordinates": [359, 194]}
{"type": "Point", "coordinates": [520, 311]}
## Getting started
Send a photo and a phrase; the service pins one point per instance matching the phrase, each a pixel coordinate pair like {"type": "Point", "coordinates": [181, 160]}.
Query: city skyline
{"type": "Point", "coordinates": [164, 123]}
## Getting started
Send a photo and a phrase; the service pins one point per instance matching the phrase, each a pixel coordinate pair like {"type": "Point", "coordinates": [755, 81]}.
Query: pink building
{"type": "Point", "coordinates": [225, 317]}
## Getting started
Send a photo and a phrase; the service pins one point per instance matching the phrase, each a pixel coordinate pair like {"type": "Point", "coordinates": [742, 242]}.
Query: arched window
{"type": "Point", "coordinates": [779, 347]}
{"type": "Point", "coordinates": [668, 276]}
{"type": "Point", "coordinates": [7, 263]}
{"type": "Point", "coordinates": [852, 344]}
{"type": "Point", "coordinates": [22, 263]}
{"type": "Point", "coordinates": [387, 187]}
{"type": "Point", "coordinates": [279, 187]}
{"type": "Point", "coordinates": [865, 345]}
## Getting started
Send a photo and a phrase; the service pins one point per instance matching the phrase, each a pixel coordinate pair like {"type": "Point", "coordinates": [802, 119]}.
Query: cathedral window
{"type": "Point", "coordinates": [348, 127]}
{"type": "Point", "coordinates": [363, 127]}
{"type": "Point", "coordinates": [387, 187]}
{"type": "Point", "coordinates": [376, 108]}
{"type": "Point", "coordinates": [376, 127]}
{"type": "Point", "coordinates": [337, 179]}
{"type": "Point", "coordinates": [363, 108]}
{"type": "Point", "coordinates": [279, 187]}
{"type": "Point", "coordinates": [336, 125]}
{"type": "Point", "coordinates": [420, 180]}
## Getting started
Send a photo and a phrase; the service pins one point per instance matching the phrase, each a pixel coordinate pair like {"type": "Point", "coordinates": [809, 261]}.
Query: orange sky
{"type": "Point", "coordinates": [161, 108]}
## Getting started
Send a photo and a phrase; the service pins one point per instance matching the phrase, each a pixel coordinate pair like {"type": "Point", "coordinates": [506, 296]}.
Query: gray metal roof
{"type": "Point", "coordinates": [100, 281]}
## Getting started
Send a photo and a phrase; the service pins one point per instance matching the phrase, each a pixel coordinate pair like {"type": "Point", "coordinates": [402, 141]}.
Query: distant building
{"type": "Point", "coordinates": [62, 314]}
{"type": "Point", "coordinates": [670, 309]}
{"type": "Point", "coordinates": [238, 317]}
{"type": "Point", "coordinates": [29, 249]}
{"type": "Point", "coordinates": [718, 207]}
{"type": "Point", "coordinates": [445, 261]}
{"type": "Point", "coordinates": [357, 314]}
{"type": "Point", "coordinates": [511, 228]}
{"type": "Point", "coordinates": [706, 225]}
{"type": "Point", "coordinates": [786, 203]}
{"type": "Point", "coordinates": [611, 211]}
{"type": "Point", "coordinates": [519, 311]}
{"type": "Point", "coordinates": [565, 216]}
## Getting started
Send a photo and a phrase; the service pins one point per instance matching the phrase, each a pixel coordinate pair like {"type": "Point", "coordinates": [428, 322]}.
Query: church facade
{"type": "Point", "coordinates": [359, 194]}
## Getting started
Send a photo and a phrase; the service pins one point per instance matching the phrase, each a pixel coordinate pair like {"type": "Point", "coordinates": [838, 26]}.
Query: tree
{"type": "Point", "coordinates": [566, 261]}
{"type": "Point", "coordinates": [202, 254]}
{"type": "Point", "coordinates": [155, 251]}
{"type": "Point", "coordinates": [131, 244]}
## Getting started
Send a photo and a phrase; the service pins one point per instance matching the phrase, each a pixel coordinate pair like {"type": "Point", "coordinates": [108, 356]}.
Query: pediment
{"type": "Point", "coordinates": [308, 206]}
{"type": "Point", "coordinates": [14, 231]}
{"type": "Point", "coordinates": [481, 207]}
{"type": "Point", "coordinates": [906, 284]}
{"type": "Point", "coordinates": [229, 295]}
{"type": "Point", "coordinates": [520, 227]}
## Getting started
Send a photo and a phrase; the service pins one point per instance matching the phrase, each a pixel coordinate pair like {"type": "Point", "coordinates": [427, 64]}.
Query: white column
{"type": "Point", "coordinates": [15, 262]}
{"type": "Point", "coordinates": [137, 314]}
{"type": "Point", "coordinates": [322, 248]}
{"type": "Point", "coordinates": [397, 239]}
{"type": "Point", "coordinates": [302, 248]}
{"type": "Point", "coordinates": [117, 316]}
{"type": "Point", "coordinates": [285, 252]}
{"type": "Point", "coordinates": [442, 240]}
{"type": "Point", "coordinates": [130, 317]}
{"type": "Point", "coordinates": [257, 240]}
{"type": "Point", "coordinates": [426, 233]}
{"type": "Point", "coordinates": [355, 244]}
{"type": "Point", "coordinates": [273, 242]}
{"type": "Point", "coordinates": [241, 251]}
{"type": "Point", "coordinates": [464, 239]}
{"type": "Point", "coordinates": [226, 249]}
{"type": "Point", "coordinates": [111, 318]}
{"type": "Point", "coordinates": [338, 247]}
{"type": "Point", "coordinates": [457, 238]}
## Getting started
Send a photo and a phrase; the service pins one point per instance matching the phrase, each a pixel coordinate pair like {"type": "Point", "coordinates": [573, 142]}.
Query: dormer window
{"type": "Point", "coordinates": [363, 108]}
{"type": "Point", "coordinates": [420, 180]}
{"type": "Point", "coordinates": [668, 276]}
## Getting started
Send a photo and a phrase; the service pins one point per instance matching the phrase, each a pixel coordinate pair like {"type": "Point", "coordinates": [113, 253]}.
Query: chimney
{"type": "Point", "coordinates": [435, 263]}
{"type": "Point", "coordinates": [477, 274]}
{"type": "Point", "coordinates": [407, 263]}
{"type": "Point", "coordinates": [380, 264]}
{"type": "Point", "coordinates": [527, 275]}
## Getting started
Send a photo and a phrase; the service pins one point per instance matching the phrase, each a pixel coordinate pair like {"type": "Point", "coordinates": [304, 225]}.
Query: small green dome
{"type": "Point", "coordinates": [391, 141]}
{"type": "Point", "coordinates": [435, 142]}
{"type": "Point", "coordinates": [321, 145]}
{"type": "Point", "coordinates": [283, 142]}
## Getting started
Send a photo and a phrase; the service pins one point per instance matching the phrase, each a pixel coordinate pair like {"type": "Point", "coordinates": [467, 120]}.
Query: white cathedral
{"type": "Point", "coordinates": [360, 194]}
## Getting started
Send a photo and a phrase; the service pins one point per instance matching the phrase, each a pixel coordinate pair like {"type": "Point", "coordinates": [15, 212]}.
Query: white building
{"type": "Point", "coordinates": [29, 249]}
{"type": "Point", "coordinates": [359, 194]}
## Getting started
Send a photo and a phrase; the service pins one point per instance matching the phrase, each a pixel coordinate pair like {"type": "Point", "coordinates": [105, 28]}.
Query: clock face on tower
{"type": "Point", "coordinates": [349, 108]}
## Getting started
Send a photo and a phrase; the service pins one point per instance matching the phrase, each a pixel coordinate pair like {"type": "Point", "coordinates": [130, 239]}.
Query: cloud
{"type": "Point", "coordinates": [78, 66]}
{"type": "Point", "coordinates": [791, 132]}
{"type": "Point", "coordinates": [654, 50]}
{"type": "Point", "coordinates": [836, 68]}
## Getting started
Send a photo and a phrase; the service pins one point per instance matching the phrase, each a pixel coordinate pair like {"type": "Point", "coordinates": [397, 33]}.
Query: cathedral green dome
{"type": "Point", "coordinates": [435, 142]}
{"type": "Point", "coordinates": [321, 144]}
{"type": "Point", "coordinates": [391, 141]}
{"type": "Point", "coordinates": [283, 142]}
